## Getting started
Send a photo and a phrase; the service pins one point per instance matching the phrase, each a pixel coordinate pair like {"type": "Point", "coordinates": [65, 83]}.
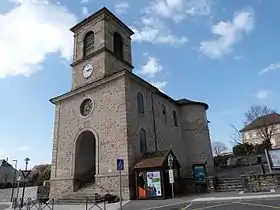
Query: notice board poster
{"type": "Point", "coordinates": [274, 156]}
{"type": "Point", "coordinates": [154, 183]}
{"type": "Point", "coordinates": [199, 174]}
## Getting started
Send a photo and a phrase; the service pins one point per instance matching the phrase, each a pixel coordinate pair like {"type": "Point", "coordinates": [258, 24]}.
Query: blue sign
{"type": "Point", "coordinates": [120, 164]}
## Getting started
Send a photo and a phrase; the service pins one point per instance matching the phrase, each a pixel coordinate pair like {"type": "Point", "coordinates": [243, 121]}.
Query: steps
{"type": "Point", "coordinates": [79, 197]}
{"type": "Point", "coordinates": [229, 185]}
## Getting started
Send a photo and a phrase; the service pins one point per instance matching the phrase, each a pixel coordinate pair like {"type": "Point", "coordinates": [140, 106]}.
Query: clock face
{"type": "Point", "coordinates": [87, 71]}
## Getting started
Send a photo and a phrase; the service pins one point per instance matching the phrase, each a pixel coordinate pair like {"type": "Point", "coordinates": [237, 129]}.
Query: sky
{"type": "Point", "coordinates": [224, 53]}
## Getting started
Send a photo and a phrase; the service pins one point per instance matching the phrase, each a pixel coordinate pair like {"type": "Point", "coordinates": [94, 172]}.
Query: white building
{"type": "Point", "coordinates": [268, 124]}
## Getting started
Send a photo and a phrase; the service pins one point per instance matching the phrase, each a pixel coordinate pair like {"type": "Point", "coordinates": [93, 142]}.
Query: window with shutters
{"type": "Point", "coordinates": [88, 43]}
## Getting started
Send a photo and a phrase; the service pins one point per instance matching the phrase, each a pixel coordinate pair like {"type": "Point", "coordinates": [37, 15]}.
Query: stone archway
{"type": "Point", "coordinates": [85, 159]}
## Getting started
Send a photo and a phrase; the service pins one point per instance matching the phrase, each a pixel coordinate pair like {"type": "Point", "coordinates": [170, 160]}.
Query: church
{"type": "Point", "coordinates": [111, 113]}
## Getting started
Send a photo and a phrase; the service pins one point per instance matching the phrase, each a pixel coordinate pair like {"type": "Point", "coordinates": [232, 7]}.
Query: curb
{"type": "Point", "coordinates": [236, 198]}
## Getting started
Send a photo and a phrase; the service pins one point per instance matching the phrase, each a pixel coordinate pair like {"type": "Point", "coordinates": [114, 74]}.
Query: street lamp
{"type": "Point", "coordinates": [14, 179]}
{"type": "Point", "coordinates": [24, 183]}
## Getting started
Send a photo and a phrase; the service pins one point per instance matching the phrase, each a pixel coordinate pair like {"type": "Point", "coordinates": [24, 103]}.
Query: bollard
{"type": "Point", "coordinates": [104, 205]}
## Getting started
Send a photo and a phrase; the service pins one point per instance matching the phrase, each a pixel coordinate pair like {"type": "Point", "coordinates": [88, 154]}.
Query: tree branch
{"type": "Point", "coordinates": [258, 112]}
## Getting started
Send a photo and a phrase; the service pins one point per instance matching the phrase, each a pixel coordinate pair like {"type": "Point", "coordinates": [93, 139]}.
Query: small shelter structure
{"type": "Point", "coordinates": [153, 175]}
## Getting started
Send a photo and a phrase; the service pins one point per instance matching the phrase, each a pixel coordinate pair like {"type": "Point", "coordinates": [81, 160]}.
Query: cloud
{"type": "Point", "coordinates": [154, 30]}
{"type": "Point", "coordinates": [159, 85]}
{"type": "Point", "coordinates": [17, 1]}
{"type": "Point", "coordinates": [263, 94]}
{"type": "Point", "coordinates": [23, 148]}
{"type": "Point", "coordinates": [151, 68]}
{"type": "Point", "coordinates": [29, 34]}
{"type": "Point", "coordinates": [85, 11]}
{"type": "Point", "coordinates": [121, 7]}
{"type": "Point", "coordinates": [273, 66]}
{"type": "Point", "coordinates": [152, 26]}
{"type": "Point", "coordinates": [84, 1]}
{"type": "Point", "coordinates": [177, 10]}
{"type": "Point", "coordinates": [199, 8]}
{"type": "Point", "coordinates": [228, 33]}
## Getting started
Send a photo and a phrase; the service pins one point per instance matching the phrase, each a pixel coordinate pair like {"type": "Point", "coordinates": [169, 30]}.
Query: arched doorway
{"type": "Point", "coordinates": [85, 159]}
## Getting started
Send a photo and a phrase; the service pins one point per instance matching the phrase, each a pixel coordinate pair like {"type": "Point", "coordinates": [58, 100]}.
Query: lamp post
{"type": "Point", "coordinates": [18, 182]}
{"type": "Point", "coordinates": [14, 179]}
{"type": "Point", "coordinates": [23, 190]}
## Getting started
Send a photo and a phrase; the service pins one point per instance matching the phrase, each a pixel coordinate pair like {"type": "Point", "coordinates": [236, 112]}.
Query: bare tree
{"type": "Point", "coordinates": [265, 127]}
{"type": "Point", "coordinates": [219, 147]}
{"type": "Point", "coordinates": [237, 140]}
{"type": "Point", "coordinates": [236, 136]}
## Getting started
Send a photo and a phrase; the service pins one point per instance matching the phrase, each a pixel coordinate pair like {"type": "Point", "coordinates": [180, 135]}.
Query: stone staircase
{"type": "Point", "coordinates": [79, 197]}
{"type": "Point", "coordinates": [229, 185]}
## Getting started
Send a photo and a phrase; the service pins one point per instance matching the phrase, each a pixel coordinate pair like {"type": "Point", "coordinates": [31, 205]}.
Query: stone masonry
{"type": "Point", "coordinates": [114, 120]}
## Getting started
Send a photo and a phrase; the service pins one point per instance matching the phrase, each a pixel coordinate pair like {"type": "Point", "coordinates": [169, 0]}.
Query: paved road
{"type": "Point", "coordinates": [260, 204]}
{"type": "Point", "coordinates": [240, 205]}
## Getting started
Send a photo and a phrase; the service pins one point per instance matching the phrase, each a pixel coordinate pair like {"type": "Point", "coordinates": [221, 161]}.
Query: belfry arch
{"type": "Point", "coordinates": [85, 159]}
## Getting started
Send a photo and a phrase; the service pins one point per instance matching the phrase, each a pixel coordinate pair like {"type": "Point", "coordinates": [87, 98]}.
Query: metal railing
{"type": "Point", "coordinates": [100, 201]}
{"type": "Point", "coordinates": [38, 204]}
{"type": "Point", "coordinates": [95, 201]}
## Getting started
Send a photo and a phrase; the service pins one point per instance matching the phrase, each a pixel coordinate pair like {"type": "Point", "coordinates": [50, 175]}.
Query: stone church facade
{"type": "Point", "coordinates": [112, 113]}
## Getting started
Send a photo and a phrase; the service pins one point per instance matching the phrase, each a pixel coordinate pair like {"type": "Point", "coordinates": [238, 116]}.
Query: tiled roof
{"type": "Point", "coordinates": [263, 121]}
{"type": "Point", "coordinates": [152, 159]}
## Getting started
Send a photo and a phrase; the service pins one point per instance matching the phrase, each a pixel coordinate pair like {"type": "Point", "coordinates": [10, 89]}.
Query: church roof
{"type": "Point", "coordinates": [263, 121]}
{"type": "Point", "coordinates": [105, 11]}
{"type": "Point", "coordinates": [155, 159]}
{"type": "Point", "coordinates": [189, 102]}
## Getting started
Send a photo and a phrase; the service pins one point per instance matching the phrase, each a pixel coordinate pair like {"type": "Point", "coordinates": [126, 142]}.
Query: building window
{"type": "Point", "coordinates": [88, 43]}
{"type": "Point", "coordinates": [140, 102]}
{"type": "Point", "coordinates": [175, 118]}
{"type": "Point", "coordinates": [143, 141]}
{"type": "Point", "coordinates": [118, 45]}
{"type": "Point", "coordinates": [163, 109]}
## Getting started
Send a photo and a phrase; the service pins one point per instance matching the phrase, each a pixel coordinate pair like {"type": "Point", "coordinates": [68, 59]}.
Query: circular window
{"type": "Point", "coordinates": [86, 107]}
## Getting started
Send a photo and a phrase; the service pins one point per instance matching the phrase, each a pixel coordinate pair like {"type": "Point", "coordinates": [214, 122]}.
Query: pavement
{"type": "Point", "coordinates": [212, 201]}
{"type": "Point", "coordinates": [240, 205]}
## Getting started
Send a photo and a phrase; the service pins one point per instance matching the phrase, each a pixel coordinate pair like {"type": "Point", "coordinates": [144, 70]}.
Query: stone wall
{"type": "Point", "coordinates": [189, 140]}
{"type": "Point", "coordinates": [107, 122]}
{"type": "Point", "coordinates": [30, 192]}
{"type": "Point", "coordinates": [246, 159]}
{"type": "Point", "coordinates": [261, 183]}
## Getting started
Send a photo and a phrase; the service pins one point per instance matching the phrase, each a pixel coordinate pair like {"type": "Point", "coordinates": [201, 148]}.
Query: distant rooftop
{"type": "Point", "coordinates": [4, 163]}
{"type": "Point", "coordinates": [266, 120]}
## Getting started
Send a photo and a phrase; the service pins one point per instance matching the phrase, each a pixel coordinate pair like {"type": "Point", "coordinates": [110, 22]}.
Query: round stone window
{"type": "Point", "coordinates": [86, 107]}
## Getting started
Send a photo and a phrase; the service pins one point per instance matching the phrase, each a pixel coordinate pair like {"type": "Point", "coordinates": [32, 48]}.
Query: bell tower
{"type": "Point", "coordinates": [102, 47]}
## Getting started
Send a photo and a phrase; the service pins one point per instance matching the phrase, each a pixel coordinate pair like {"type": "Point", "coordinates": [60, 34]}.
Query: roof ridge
{"type": "Point", "coordinates": [270, 119]}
